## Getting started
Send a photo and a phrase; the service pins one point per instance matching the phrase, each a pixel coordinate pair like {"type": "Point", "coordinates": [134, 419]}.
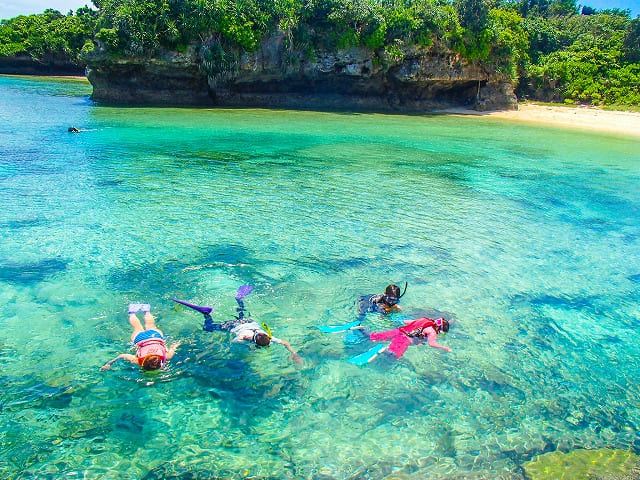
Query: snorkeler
{"type": "Point", "coordinates": [243, 329]}
{"type": "Point", "coordinates": [383, 303]}
{"type": "Point", "coordinates": [414, 331]}
{"type": "Point", "coordinates": [151, 351]}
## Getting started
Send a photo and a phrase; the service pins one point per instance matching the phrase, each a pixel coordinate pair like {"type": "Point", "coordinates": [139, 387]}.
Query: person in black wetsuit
{"type": "Point", "coordinates": [383, 303]}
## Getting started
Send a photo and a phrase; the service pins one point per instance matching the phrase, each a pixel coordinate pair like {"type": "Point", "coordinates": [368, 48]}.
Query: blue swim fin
{"type": "Point", "coordinates": [243, 291]}
{"type": "Point", "coordinates": [338, 328]}
{"type": "Point", "coordinates": [203, 310]}
{"type": "Point", "coordinates": [369, 355]}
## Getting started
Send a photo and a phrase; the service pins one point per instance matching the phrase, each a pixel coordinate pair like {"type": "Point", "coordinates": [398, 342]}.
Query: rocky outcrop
{"type": "Point", "coordinates": [601, 464]}
{"type": "Point", "coordinates": [170, 80]}
{"type": "Point", "coordinates": [413, 80]}
{"type": "Point", "coordinates": [49, 65]}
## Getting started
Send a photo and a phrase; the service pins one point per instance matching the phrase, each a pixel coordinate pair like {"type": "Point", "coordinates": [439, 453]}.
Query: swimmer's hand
{"type": "Point", "coordinates": [172, 349]}
{"type": "Point", "coordinates": [126, 356]}
{"type": "Point", "coordinates": [294, 356]}
{"type": "Point", "coordinates": [446, 349]}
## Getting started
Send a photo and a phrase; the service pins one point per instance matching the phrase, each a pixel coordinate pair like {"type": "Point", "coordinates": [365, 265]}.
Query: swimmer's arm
{"type": "Point", "coordinates": [432, 340]}
{"type": "Point", "coordinates": [124, 356]}
{"type": "Point", "coordinates": [294, 356]}
{"type": "Point", "coordinates": [172, 349]}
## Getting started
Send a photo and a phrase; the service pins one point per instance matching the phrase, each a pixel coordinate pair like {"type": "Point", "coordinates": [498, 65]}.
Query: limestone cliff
{"type": "Point", "coordinates": [415, 79]}
{"type": "Point", "coordinates": [49, 65]}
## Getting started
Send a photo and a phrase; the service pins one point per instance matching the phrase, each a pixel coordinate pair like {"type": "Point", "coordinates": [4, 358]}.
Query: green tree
{"type": "Point", "coordinates": [631, 41]}
{"type": "Point", "coordinates": [49, 34]}
{"type": "Point", "coordinates": [509, 41]}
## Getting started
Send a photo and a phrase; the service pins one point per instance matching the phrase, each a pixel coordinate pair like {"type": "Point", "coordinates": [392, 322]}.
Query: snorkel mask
{"type": "Point", "coordinates": [443, 325]}
{"type": "Point", "coordinates": [256, 334]}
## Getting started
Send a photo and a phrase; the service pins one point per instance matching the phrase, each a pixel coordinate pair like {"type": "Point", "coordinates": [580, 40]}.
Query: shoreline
{"type": "Point", "coordinates": [55, 77]}
{"type": "Point", "coordinates": [576, 118]}
{"type": "Point", "coordinates": [584, 118]}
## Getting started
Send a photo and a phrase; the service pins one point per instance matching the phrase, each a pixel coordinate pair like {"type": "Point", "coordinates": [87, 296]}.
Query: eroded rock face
{"type": "Point", "coordinates": [275, 76]}
{"type": "Point", "coordinates": [50, 65]}
{"type": "Point", "coordinates": [173, 80]}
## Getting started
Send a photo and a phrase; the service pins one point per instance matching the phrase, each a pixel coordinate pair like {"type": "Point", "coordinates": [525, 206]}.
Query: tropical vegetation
{"type": "Point", "coordinates": [551, 49]}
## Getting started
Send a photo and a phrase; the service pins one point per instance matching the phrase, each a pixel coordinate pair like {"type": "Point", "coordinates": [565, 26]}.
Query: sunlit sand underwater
{"type": "Point", "coordinates": [529, 237]}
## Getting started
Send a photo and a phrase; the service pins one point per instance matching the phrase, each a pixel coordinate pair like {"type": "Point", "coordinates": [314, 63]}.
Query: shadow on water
{"type": "Point", "coordinates": [589, 303]}
{"type": "Point", "coordinates": [39, 393]}
{"type": "Point", "coordinates": [596, 306]}
{"type": "Point", "coordinates": [26, 223]}
{"type": "Point", "coordinates": [234, 378]}
{"type": "Point", "coordinates": [110, 183]}
{"type": "Point", "coordinates": [330, 265]}
{"type": "Point", "coordinates": [635, 278]}
{"type": "Point", "coordinates": [31, 272]}
{"type": "Point", "coordinates": [162, 277]}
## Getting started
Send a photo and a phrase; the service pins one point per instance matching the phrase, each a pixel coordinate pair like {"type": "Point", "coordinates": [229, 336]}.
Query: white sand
{"type": "Point", "coordinates": [582, 118]}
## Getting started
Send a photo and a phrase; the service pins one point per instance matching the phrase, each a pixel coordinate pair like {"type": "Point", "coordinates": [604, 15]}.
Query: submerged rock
{"type": "Point", "coordinates": [602, 464]}
{"type": "Point", "coordinates": [29, 273]}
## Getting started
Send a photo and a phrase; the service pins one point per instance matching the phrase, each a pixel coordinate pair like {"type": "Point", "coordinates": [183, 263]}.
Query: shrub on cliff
{"type": "Point", "coordinates": [556, 52]}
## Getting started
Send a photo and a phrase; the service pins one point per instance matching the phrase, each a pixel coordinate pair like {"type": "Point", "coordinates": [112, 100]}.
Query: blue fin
{"type": "Point", "coordinates": [355, 336]}
{"type": "Point", "coordinates": [199, 308]}
{"type": "Point", "coordinates": [243, 291]}
{"type": "Point", "coordinates": [338, 328]}
{"type": "Point", "coordinates": [368, 356]}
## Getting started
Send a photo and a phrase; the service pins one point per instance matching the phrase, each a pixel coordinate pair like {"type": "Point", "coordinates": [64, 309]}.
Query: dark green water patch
{"type": "Point", "coordinates": [25, 223]}
{"type": "Point", "coordinates": [29, 273]}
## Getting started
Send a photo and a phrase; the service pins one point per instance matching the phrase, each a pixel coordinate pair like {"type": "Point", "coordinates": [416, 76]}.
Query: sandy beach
{"type": "Point", "coordinates": [587, 118]}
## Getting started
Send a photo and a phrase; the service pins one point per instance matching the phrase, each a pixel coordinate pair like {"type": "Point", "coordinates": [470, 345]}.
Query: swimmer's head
{"type": "Point", "coordinates": [392, 295]}
{"type": "Point", "coordinates": [443, 325]}
{"type": "Point", "coordinates": [152, 362]}
{"type": "Point", "coordinates": [261, 339]}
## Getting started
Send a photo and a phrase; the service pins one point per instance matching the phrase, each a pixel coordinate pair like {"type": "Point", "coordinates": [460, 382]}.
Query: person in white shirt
{"type": "Point", "coordinates": [243, 329]}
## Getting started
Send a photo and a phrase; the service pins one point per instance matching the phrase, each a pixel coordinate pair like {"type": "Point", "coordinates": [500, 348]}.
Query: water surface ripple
{"type": "Point", "coordinates": [528, 236]}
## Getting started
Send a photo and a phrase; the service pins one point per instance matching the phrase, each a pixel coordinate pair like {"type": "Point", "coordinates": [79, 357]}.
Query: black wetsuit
{"type": "Point", "coordinates": [209, 326]}
{"type": "Point", "coordinates": [371, 304]}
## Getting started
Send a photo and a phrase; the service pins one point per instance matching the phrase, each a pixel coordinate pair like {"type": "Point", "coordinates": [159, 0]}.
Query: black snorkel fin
{"type": "Point", "coordinates": [406, 284]}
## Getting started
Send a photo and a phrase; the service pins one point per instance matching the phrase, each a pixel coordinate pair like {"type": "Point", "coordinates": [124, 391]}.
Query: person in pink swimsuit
{"type": "Point", "coordinates": [413, 332]}
{"type": "Point", "coordinates": [151, 351]}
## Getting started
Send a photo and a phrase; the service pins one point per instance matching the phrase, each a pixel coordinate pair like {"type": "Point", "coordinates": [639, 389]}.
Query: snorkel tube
{"type": "Point", "coordinates": [267, 329]}
{"type": "Point", "coordinates": [406, 284]}
{"type": "Point", "coordinates": [391, 299]}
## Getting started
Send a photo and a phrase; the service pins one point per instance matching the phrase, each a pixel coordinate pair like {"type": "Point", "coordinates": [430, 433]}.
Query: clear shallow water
{"type": "Point", "coordinates": [528, 236]}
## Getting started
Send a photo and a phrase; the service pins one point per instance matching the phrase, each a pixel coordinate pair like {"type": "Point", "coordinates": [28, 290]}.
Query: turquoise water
{"type": "Point", "coordinates": [528, 236]}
